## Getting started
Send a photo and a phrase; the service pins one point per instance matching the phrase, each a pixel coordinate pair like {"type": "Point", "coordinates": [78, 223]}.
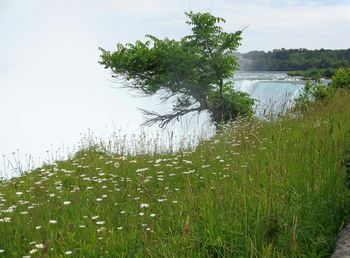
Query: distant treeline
{"type": "Point", "coordinates": [323, 61]}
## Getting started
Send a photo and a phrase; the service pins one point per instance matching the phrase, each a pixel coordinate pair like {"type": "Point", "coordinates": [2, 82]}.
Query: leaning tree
{"type": "Point", "coordinates": [195, 72]}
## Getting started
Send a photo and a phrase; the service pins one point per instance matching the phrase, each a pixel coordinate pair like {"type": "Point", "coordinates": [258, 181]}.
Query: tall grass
{"type": "Point", "coordinates": [257, 189]}
{"type": "Point", "coordinates": [143, 141]}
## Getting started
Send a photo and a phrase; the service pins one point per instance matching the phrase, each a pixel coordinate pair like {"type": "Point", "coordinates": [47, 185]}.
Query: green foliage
{"type": "Point", "coordinates": [341, 79]}
{"type": "Point", "coordinates": [193, 69]}
{"type": "Point", "coordinates": [228, 105]}
{"type": "Point", "coordinates": [313, 91]}
{"type": "Point", "coordinates": [314, 74]}
{"type": "Point", "coordinates": [316, 91]}
{"type": "Point", "coordinates": [322, 61]}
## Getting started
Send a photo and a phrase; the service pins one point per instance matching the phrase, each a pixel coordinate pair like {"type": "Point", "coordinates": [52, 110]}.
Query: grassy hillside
{"type": "Point", "coordinates": [257, 189]}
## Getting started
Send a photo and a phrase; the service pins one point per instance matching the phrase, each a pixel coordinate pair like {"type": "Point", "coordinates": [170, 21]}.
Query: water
{"type": "Point", "coordinates": [275, 92]}
{"type": "Point", "coordinates": [46, 124]}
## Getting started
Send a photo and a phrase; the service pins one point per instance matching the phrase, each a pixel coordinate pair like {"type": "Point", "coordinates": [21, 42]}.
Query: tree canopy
{"type": "Point", "coordinates": [195, 70]}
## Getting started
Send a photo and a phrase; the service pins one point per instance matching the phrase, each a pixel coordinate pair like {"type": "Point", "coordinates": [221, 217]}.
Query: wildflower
{"type": "Point", "coordinates": [153, 215]}
{"type": "Point", "coordinates": [68, 252]}
{"type": "Point", "coordinates": [33, 251]}
{"type": "Point", "coordinates": [2, 251]}
{"type": "Point", "coordinates": [6, 220]}
{"type": "Point", "coordinates": [19, 193]}
{"type": "Point", "coordinates": [161, 200]}
{"type": "Point", "coordinates": [38, 227]}
{"type": "Point", "coordinates": [98, 199]}
{"type": "Point", "coordinates": [141, 213]}
{"type": "Point", "coordinates": [141, 170]}
{"type": "Point", "coordinates": [101, 229]}
{"type": "Point", "coordinates": [95, 217]}
{"type": "Point", "coordinates": [187, 172]}
{"type": "Point", "coordinates": [39, 246]}
{"type": "Point", "coordinates": [119, 228]}
{"type": "Point", "coordinates": [53, 221]}
{"type": "Point", "coordinates": [66, 202]}
{"type": "Point", "coordinates": [144, 205]}
{"type": "Point", "coordinates": [100, 222]}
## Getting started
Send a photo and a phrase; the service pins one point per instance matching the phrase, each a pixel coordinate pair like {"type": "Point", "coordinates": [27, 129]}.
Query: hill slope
{"type": "Point", "coordinates": [257, 189]}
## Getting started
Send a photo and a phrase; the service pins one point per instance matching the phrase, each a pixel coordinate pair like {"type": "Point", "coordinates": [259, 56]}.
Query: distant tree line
{"type": "Point", "coordinates": [302, 62]}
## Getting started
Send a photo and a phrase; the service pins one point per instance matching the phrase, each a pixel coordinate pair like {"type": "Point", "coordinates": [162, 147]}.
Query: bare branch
{"type": "Point", "coordinates": [163, 120]}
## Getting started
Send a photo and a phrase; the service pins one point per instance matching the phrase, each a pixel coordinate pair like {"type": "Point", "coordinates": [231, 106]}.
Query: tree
{"type": "Point", "coordinates": [196, 71]}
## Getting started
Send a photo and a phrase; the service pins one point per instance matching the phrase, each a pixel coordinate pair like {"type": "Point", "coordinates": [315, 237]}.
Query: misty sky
{"type": "Point", "coordinates": [52, 87]}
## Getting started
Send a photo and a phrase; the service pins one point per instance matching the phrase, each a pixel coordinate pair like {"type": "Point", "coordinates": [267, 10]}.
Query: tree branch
{"type": "Point", "coordinates": [163, 120]}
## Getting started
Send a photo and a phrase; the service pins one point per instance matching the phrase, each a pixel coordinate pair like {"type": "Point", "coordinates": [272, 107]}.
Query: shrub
{"type": "Point", "coordinates": [341, 79]}
{"type": "Point", "coordinates": [313, 91]}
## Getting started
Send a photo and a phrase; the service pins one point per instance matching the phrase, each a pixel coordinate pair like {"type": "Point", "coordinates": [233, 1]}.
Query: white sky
{"type": "Point", "coordinates": [52, 88]}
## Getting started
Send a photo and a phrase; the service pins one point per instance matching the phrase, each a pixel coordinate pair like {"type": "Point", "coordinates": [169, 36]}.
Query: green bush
{"type": "Point", "coordinates": [313, 91]}
{"type": "Point", "coordinates": [341, 79]}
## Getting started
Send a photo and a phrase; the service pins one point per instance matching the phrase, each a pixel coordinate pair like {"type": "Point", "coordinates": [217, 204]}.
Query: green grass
{"type": "Point", "coordinates": [258, 189]}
